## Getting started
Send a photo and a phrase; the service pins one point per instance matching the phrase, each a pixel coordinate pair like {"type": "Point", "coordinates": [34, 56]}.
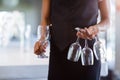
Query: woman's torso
{"type": "Point", "coordinates": [65, 15]}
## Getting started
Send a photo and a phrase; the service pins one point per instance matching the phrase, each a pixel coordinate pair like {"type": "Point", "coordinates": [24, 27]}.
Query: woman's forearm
{"type": "Point", "coordinates": [103, 25]}
{"type": "Point", "coordinates": [45, 12]}
{"type": "Point", "coordinates": [44, 17]}
{"type": "Point", "coordinates": [104, 7]}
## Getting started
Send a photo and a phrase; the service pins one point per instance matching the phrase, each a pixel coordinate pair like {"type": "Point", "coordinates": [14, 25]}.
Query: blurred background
{"type": "Point", "coordinates": [19, 20]}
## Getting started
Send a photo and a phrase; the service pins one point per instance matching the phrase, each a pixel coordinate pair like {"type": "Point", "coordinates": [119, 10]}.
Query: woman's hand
{"type": "Point", "coordinates": [41, 44]}
{"type": "Point", "coordinates": [92, 31]}
{"type": "Point", "coordinates": [40, 47]}
{"type": "Point", "coordinates": [88, 33]}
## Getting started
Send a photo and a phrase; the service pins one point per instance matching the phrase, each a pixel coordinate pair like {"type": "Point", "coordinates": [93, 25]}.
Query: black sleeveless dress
{"type": "Point", "coordinates": [65, 15]}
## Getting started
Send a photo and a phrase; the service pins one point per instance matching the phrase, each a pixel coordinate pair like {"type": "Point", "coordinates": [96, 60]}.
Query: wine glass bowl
{"type": "Point", "coordinates": [74, 52]}
{"type": "Point", "coordinates": [87, 57]}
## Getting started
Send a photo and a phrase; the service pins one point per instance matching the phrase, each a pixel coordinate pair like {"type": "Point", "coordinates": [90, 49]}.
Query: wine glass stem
{"type": "Point", "coordinates": [86, 44]}
{"type": "Point", "coordinates": [77, 39]}
{"type": "Point", "coordinates": [96, 38]}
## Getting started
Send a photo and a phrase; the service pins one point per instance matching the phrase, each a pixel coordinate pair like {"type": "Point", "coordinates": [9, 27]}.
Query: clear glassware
{"type": "Point", "coordinates": [87, 57]}
{"type": "Point", "coordinates": [103, 58]}
{"type": "Point", "coordinates": [100, 54]}
{"type": "Point", "coordinates": [96, 48]}
{"type": "Point", "coordinates": [46, 42]}
{"type": "Point", "coordinates": [102, 51]}
{"type": "Point", "coordinates": [74, 50]}
{"type": "Point", "coordinates": [99, 50]}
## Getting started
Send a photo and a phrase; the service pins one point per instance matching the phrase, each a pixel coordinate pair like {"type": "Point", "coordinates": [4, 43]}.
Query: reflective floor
{"type": "Point", "coordinates": [12, 56]}
{"type": "Point", "coordinates": [22, 64]}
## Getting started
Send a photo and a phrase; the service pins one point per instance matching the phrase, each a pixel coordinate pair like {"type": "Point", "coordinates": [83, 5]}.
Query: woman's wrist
{"type": "Point", "coordinates": [101, 28]}
{"type": "Point", "coordinates": [43, 31]}
{"type": "Point", "coordinates": [42, 40]}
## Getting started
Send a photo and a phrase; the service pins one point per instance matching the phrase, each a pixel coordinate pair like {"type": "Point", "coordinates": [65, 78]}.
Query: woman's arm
{"type": "Point", "coordinates": [103, 25]}
{"type": "Point", "coordinates": [39, 47]}
{"type": "Point", "coordinates": [92, 31]}
{"type": "Point", "coordinates": [104, 6]}
{"type": "Point", "coordinates": [45, 17]}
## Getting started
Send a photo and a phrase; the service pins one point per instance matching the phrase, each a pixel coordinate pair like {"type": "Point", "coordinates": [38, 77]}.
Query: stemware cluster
{"type": "Point", "coordinates": [87, 54]}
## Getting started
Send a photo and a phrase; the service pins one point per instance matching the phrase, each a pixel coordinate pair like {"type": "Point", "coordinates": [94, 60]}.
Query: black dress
{"type": "Point", "coordinates": [65, 15]}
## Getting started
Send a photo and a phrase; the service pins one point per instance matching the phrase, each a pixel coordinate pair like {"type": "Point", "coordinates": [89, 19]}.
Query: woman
{"type": "Point", "coordinates": [65, 15]}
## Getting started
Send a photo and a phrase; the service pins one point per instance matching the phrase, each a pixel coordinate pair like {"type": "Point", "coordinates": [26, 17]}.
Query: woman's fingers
{"type": "Point", "coordinates": [86, 33]}
{"type": "Point", "coordinates": [39, 48]}
{"type": "Point", "coordinates": [92, 31]}
{"type": "Point", "coordinates": [36, 47]}
{"type": "Point", "coordinates": [42, 49]}
{"type": "Point", "coordinates": [81, 35]}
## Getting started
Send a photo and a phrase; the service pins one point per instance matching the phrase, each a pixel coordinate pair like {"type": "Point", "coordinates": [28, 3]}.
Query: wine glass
{"type": "Point", "coordinates": [87, 55]}
{"type": "Point", "coordinates": [45, 42]}
{"type": "Point", "coordinates": [99, 50]}
{"type": "Point", "coordinates": [96, 48]}
{"type": "Point", "coordinates": [74, 50]}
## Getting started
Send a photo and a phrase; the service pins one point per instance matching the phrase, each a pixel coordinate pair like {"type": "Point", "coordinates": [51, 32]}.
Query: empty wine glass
{"type": "Point", "coordinates": [87, 55]}
{"type": "Point", "coordinates": [96, 48]}
{"type": "Point", "coordinates": [46, 42]}
{"type": "Point", "coordinates": [74, 50]}
{"type": "Point", "coordinates": [99, 50]}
